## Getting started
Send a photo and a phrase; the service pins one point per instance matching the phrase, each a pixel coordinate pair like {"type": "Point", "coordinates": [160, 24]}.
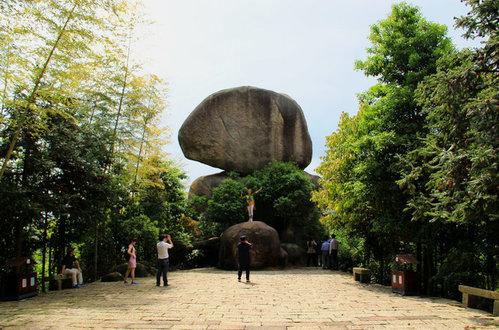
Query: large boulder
{"type": "Point", "coordinates": [112, 277]}
{"type": "Point", "coordinates": [265, 251]}
{"type": "Point", "coordinates": [204, 185]}
{"type": "Point", "coordinates": [141, 270]}
{"type": "Point", "coordinates": [243, 129]}
{"type": "Point", "coordinates": [296, 254]}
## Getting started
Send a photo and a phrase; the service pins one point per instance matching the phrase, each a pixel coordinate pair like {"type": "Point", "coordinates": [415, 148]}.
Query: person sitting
{"type": "Point", "coordinates": [71, 267]}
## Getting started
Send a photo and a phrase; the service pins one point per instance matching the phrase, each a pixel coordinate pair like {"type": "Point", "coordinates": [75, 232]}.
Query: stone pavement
{"type": "Point", "coordinates": [213, 299]}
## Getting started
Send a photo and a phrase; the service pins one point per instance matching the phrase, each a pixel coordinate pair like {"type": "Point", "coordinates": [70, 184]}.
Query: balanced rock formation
{"type": "Point", "coordinates": [243, 129]}
{"type": "Point", "coordinates": [265, 251]}
{"type": "Point", "coordinates": [204, 185]}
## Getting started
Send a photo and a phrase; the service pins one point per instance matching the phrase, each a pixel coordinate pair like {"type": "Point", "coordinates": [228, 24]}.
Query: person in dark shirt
{"type": "Point", "coordinates": [243, 255]}
{"type": "Point", "coordinates": [71, 267]}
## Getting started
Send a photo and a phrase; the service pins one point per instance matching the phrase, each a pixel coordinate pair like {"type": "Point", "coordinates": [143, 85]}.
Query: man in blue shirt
{"type": "Point", "coordinates": [325, 252]}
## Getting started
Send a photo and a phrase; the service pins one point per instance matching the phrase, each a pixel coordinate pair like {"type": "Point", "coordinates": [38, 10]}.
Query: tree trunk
{"type": "Point", "coordinates": [142, 140]}
{"type": "Point", "coordinates": [96, 250]}
{"type": "Point", "coordinates": [51, 258]}
{"type": "Point", "coordinates": [419, 258]}
{"type": "Point", "coordinates": [5, 81]}
{"type": "Point", "coordinates": [44, 250]}
{"type": "Point", "coordinates": [61, 241]}
{"type": "Point", "coordinates": [122, 96]}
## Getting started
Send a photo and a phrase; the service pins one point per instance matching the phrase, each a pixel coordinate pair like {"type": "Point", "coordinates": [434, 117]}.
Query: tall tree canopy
{"type": "Point", "coordinates": [361, 166]}
{"type": "Point", "coordinates": [415, 170]}
{"type": "Point", "coordinates": [80, 140]}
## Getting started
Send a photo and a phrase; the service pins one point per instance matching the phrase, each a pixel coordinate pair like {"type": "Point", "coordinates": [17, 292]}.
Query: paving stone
{"type": "Point", "coordinates": [304, 298]}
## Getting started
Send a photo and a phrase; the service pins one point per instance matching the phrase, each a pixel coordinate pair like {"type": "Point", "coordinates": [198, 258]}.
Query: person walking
{"type": "Point", "coordinates": [71, 267]}
{"type": "Point", "coordinates": [165, 243]}
{"type": "Point", "coordinates": [325, 252]}
{"type": "Point", "coordinates": [243, 256]}
{"type": "Point", "coordinates": [318, 254]}
{"type": "Point", "coordinates": [333, 252]}
{"type": "Point", "coordinates": [311, 254]}
{"type": "Point", "coordinates": [132, 261]}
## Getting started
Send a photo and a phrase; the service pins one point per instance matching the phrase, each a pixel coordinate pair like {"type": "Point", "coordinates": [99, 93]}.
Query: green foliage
{"type": "Point", "coordinates": [145, 231]}
{"type": "Point", "coordinates": [350, 249]}
{"type": "Point", "coordinates": [461, 265]}
{"type": "Point", "coordinates": [80, 139]}
{"type": "Point", "coordinates": [361, 167]}
{"type": "Point", "coordinates": [404, 47]}
{"type": "Point", "coordinates": [452, 178]}
{"type": "Point", "coordinates": [226, 205]}
{"type": "Point", "coordinates": [283, 202]}
{"type": "Point", "coordinates": [415, 170]}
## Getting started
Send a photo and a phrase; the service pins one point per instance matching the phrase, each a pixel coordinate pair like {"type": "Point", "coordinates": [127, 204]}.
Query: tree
{"type": "Point", "coordinates": [66, 38]}
{"type": "Point", "coordinates": [452, 177]}
{"type": "Point", "coordinates": [62, 88]}
{"type": "Point", "coordinates": [283, 202]}
{"type": "Point", "coordinates": [361, 166]}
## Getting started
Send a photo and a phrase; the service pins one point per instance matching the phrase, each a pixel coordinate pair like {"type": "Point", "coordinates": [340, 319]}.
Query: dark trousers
{"type": "Point", "coordinates": [163, 265]}
{"type": "Point", "coordinates": [325, 259]}
{"type": "Point", "coordinates": [245, 267]}
{"type": "Point", "coordinates": [334, 259]}
{"type": "Point", "coordinates": [311, 259]}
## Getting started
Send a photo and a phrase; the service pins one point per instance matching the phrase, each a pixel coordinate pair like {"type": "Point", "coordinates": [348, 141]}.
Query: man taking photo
{"type": "Point", "coordinates": [164, 244]}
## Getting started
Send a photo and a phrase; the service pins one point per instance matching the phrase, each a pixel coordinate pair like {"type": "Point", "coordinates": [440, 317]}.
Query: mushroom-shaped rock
{"type": "Point", "coordinates": [265, 251]}
{"type": "Point", "coordinates": [243, 129]}
{"type": "Point", "coordinates": [204, 185]}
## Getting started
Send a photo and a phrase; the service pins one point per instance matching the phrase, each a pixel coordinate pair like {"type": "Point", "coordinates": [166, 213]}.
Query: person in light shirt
{"type": "Point", "coordinates": [333, 253]}
{"type": "Point", "coordinates": [165, 243]}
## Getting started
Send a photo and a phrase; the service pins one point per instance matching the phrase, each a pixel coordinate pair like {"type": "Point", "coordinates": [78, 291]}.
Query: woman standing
{"type": "Point", "coordinates": [311, 253]}
{"type": "Point", "coordinates": [250, 201]}
{"type": "Point", "coordinates": [132, 261]}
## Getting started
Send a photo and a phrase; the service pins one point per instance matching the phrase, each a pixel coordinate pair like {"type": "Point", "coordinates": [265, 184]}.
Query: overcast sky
{"type": "Point", "coordinates": [305, 49]}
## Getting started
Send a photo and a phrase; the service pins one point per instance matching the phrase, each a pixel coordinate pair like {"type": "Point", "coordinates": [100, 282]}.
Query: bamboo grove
{"type": "Point", "coordinates": [415, 170]}
{"type": "Point", "coordinates": [80, 135]}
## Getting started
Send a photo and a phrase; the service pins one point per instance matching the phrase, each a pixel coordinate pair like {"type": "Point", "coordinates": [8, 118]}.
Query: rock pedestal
{"type": "Point", "coordinates": [265, 251]}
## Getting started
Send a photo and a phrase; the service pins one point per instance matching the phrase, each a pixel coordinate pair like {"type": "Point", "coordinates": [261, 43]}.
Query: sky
{"type": "Point", "coordinates": [305, 49]}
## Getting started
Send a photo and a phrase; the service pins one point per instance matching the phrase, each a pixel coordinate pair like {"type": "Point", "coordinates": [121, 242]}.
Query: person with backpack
{"type": "Point", "coordinates": [132, 261]}
{"type": "Point", "coordinates": [325, 252]}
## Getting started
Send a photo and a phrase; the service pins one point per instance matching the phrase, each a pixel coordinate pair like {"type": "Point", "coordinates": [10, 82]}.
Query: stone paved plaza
{"type": "Point", "coordinates": [213, 299]}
